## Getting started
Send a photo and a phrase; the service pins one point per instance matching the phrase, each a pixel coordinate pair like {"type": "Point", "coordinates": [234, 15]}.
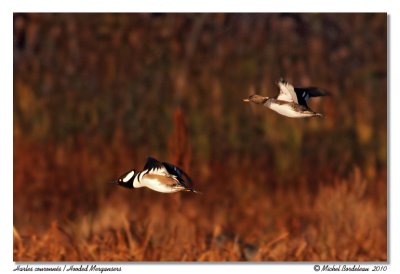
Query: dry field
{"type": "Point", "coordinates": [239, 217]}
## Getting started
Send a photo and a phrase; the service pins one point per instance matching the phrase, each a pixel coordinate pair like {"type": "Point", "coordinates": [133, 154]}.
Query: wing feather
{"type": "Point", "coordinates": [183, 178]}
{"type": "Point", "coordinates": [154, 166]}
{"type": "Point", "coordinates": [286, 92]}
{"type": "Point", "coordinates": [304, 94]}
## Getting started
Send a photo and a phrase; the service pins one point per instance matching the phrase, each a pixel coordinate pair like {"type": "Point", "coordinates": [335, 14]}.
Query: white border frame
{"type": "Point", "coordinates": [7, 8]}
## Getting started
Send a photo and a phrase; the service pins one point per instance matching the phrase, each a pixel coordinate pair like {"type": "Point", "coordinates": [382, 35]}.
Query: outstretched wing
{"type": "Point", "coordinates": [286, 92]}
{"type": "Point", "coordinates": [182, 177]}
{"type": "Point", "coordinates": [176, 171]}
{"type": "Point", "coordinates": [304, 94]}
{"type": "Point", "coordinates": [154, 166]}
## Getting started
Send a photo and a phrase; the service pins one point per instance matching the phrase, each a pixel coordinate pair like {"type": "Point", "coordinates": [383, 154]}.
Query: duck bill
{"type": "Point", "coordinates": [246, 100]}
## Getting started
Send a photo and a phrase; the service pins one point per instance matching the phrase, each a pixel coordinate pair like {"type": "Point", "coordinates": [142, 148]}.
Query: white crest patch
{"type": "Point", "coordinates": [128, 176]}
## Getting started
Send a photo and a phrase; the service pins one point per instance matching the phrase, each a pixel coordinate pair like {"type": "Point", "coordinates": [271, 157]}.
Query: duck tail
{"type": "Point", "coordinates": [192, 190]}
{"type": "Point", "coordinates": [197, 192]}
{"type": "Point", "coordinates": [319, 115]}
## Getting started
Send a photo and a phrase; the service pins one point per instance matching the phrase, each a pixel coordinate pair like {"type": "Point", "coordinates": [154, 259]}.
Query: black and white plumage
{"type": "Point", "coordinates": [158, 176]}
{"type": "Point", "coordinates": [291, 101]}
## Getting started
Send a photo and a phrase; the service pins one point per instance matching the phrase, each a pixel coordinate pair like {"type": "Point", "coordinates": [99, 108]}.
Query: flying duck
{"type": "Point", "coordinates": [158, 176]}
{"type": "Point", "coordinates": [291, 102]}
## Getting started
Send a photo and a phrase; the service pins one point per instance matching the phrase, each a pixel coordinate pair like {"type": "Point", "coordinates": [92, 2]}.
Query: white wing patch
{"type": "Point", "coordinates": [128, 176]}
{"type": "Point", "coordinates": [157, 171]}
{"type": "Point", "coordinates": [286, 93]}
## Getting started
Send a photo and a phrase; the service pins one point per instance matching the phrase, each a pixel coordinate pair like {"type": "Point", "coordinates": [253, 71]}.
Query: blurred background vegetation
{"type": "Point", "coordinates": [95, 94]}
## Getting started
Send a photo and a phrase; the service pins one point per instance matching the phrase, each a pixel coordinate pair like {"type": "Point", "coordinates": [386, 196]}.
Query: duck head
{"type": "Point", "coordinates": [126, 180]}
{"type": "Point", "coordinates": [257, 99]}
